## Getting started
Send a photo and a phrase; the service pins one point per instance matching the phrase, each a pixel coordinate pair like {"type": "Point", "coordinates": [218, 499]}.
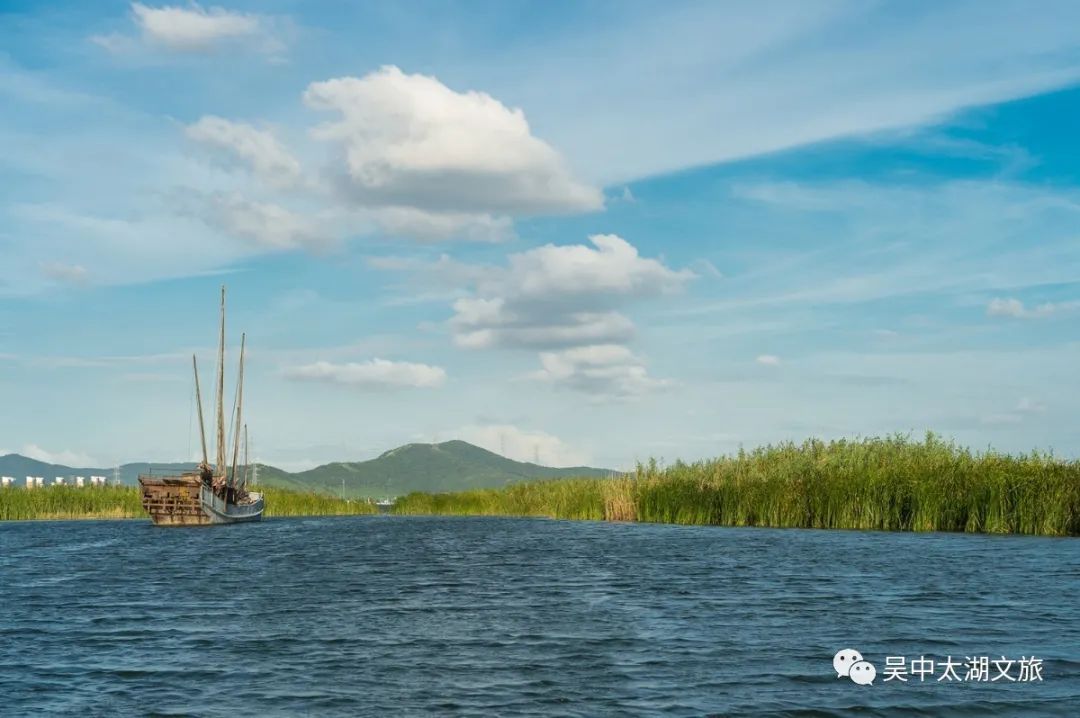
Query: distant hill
{"type": "Point", "coordinates": [21, 466]}
{"type": "Point", "coordinates": [449, 466]}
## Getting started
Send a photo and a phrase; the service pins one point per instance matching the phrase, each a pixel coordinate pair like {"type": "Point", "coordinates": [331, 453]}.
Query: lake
{"type": "Point", "coordinates": [400, 616]}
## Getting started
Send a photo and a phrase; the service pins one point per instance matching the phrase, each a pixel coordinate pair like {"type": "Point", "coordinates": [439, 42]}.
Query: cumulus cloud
{"type": "Point", "coordinates": [246, 145]}
{"type": "Point", "coordinates": [559, 296]}
{"type": "Point", "coordinates": [768, 360]}
{"type": "Point", "coordinates": [563, 301]}
{"type": "Point", "coordinates": [1015, 309]}
{"type": "Point", "coordinates": [263, 225]}
{"type": "Point", "coordinates": [373, 374]}
{"type": "Point", "coordinates": [606, 370]}
{"type": "Point", "coordinates": [409, 140]}
{"type": "Point", "coordinates": [522, 444]}
{"type": "Point", "coordinates": [611, 267]}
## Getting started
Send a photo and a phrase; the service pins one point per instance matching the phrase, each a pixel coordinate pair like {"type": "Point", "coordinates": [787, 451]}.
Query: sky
{"type": "Point", "coordinates": [572, 232]}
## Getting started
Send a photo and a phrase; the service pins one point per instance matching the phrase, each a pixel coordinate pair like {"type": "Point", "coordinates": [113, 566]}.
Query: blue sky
{"type": "Point", "coordinates": [585, 232]}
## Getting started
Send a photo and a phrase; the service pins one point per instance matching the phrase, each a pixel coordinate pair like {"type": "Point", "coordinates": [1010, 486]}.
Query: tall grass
{"type": "Point", "coordinates": [123, 502]}
{"type": "Point", "coordinates": [892, 484]}
{"type": "Point", "coordinates": [282, 502]}
{"type": "Point", "coordinates": [69, 502]}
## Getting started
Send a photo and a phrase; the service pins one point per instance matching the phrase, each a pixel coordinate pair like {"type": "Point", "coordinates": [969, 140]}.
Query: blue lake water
{"type": "Point", "coordinates": [396, 616]}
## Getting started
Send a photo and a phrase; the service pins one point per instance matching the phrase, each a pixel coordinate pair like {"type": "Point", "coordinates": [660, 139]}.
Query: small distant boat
{"type": "Point", "coordinates": [212, 494]}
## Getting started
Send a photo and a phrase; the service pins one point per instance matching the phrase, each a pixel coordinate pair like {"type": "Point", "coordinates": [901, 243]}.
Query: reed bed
{"type": "Point", "coordinates": [122, 502]}
{"type": "Point", "coordinates": [281, 502]}
{"type": "Point", "coordinates": [890, 484]}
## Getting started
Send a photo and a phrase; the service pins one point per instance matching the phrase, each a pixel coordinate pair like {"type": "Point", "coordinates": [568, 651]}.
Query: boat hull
{"type": "Point", "coordinates": [185, 501]}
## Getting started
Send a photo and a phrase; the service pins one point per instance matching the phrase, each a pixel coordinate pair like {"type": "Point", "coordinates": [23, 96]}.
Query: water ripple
{"type": "Point", "coordinates": [397, 616]}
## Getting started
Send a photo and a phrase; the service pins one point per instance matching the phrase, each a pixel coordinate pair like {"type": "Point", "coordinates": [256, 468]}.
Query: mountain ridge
{"type": "Point", "coordinates": [453, 465]}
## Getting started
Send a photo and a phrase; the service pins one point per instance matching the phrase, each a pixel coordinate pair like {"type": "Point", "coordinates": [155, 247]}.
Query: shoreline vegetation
{"type": "Point", "coordinates": [64, 503]}
{"type": "Point", "coordinates": [889, 484]}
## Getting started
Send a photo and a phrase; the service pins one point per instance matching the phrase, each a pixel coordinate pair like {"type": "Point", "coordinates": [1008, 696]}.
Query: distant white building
{"type": "Point", "coordinates": [6, 481]}
{"type": "Point", "coordinates": [58, 481]}
{"type": "Point", "coordinates": [29, 482]}
{"type": "Point", "coordinates": [39, 481]}
{"type": "Point", "coordinates": [80, 481]}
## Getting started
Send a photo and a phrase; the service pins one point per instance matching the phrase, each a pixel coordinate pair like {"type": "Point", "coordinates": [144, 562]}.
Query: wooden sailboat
{"type": "Point", "coordinates": [214, 493]}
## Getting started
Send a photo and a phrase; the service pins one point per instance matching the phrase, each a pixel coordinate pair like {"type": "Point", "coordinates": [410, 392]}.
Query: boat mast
{"type": "Point", "coordinates": [198, 400]}
{"type": "Point", "coordinates": [239, 406]}
{"type": "Point", "coordinates": [247, 459]}
{"type": "Point", "coordinates": [219, 466]}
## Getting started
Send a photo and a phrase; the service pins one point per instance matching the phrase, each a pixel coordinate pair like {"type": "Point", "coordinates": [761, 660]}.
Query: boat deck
{"type": "Point", "coordinates": [173, 500]}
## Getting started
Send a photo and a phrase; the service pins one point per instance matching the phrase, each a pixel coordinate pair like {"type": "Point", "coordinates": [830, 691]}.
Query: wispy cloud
{"type": "Point", "coordinates": [65, 457]}
{"type": "Point", "coordinates": [251, 147]}
{"type": "Point", "coordinates": [68, 273]}
{"type": "Point", "coordinates": [194, 29]}
{"type": "Point", "coordinates": [373, 374]}
{"type": "Point", "coordinates": [766, 63]}
{"type": "Point", "coordinates": [1014, 308]}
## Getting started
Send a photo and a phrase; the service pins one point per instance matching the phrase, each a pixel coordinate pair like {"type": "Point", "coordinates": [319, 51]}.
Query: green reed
{"type": "Point", "coordinates": [892, 484]}
{"type": "Point", "coordinates": [123, 502]}
{"type": "Point", "coordinates": [282, 502]}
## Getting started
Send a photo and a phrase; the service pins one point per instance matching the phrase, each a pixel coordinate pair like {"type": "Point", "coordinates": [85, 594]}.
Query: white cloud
{"type": "Point", "coordinates": [1015, 309]}
{"type": "Point", "coordinates": [559, 296]}
{"type": "Point", "coordinates": [874, 241]}
{"type": "Point", "coordinates": [614, 268]}
{"type": "Point", "coordinates": [438, 226]}
{"type": "Point", "coordinates": [376, 373]}
{"type": "Point", "coordinates": [705, 268]}
{"type": "Point", "coordinates": [193, 28]}
{"type": "Point", "coordinates": [485, 323]}
{"type": "Point", "coordinates": [605, 370]}
{"type": "Point", "coordinates": [66, 457]}
{"type": "Point", "coordinates": [698, 83]}
{"type": "Point", "coordinates": [562, 299]}
{"type": "Point", "coordinates": [258, 150]}
{"type": "Point", "coordinates": [768, 360]}
{"type": "Point", "coordinates": [263, 225]}
{"type": "Point", "coordinates": [522, 445]}
{"type": "Point", "coordinates": [69, 273]}
{"type": "Point", "coordinates": [408, 140]}
{"type": "Point", "coordinates": [113, 248]}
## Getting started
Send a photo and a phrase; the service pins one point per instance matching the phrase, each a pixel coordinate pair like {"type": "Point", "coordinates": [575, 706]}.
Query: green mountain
{"type": "Point", "coordinates": [20, 467]}
{"type": "Point", "coordinates": [449, 466]}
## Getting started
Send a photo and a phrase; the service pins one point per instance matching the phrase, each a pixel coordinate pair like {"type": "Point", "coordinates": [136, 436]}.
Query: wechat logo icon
{"type": "Point", "coordinates": [849, 663]}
